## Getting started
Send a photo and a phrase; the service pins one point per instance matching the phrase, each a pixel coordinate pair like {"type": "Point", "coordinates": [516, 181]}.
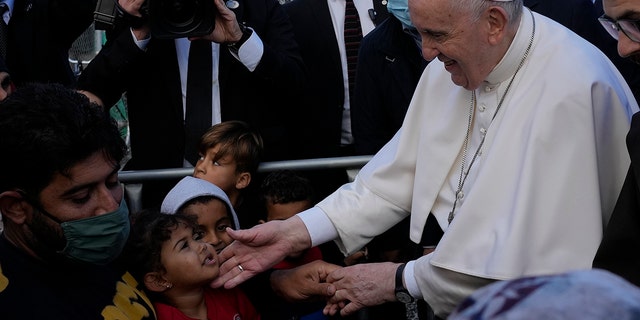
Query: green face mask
{"type": "Point", "coordinates": [98, 240]}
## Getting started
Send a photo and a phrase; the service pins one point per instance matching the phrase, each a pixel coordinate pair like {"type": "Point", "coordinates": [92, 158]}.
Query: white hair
{"type": "Point", "coordinates": [477, 7]}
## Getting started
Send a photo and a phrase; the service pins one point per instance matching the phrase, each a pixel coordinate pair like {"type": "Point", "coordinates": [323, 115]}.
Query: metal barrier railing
{"type": "Point", "coordinates": [354, 162]}
{"type": "Point", "coordinates": [133, 179]}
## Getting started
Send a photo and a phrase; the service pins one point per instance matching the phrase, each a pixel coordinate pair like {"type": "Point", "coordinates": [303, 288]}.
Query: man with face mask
{"type": "Point", "coordinates": [65, 218]}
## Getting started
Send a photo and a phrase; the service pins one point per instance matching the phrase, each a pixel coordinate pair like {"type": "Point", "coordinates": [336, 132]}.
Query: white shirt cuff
{"type": "Point", "coordinates": [318, 225]}
{"type": "Point", "coordinates": [250, 53]}
{"type": "Point", "coordinates": [410, 280]}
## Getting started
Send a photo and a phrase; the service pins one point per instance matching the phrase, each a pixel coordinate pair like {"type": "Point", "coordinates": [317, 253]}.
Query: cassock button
{"type": "Point", "coordinates": [482, 107]}
{"type": "Point", "coordinates": [487, 89]}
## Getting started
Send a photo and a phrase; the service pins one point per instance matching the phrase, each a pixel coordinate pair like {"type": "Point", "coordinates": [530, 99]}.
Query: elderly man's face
{"type": "Point", "coordinates": [455, 39]}
{"type": "Point", "coordinates": [629, 10]}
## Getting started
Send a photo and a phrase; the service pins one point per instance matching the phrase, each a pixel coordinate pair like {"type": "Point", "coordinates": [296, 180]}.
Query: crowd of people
{"type": "Point", "coordinates": [502, 186]}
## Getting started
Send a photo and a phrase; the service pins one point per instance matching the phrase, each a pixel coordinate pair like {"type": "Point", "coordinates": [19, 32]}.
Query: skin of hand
{"type": "Point", "coordinates": [226, 28]}
{"type": "Point", "coordinates": [259, 248]}
{"type": "Point", "coordinates": [357, 257]}
{"type": "Point", "coordinates": [361, 285]}
{"type": "Point", "coordinates": [304, 283]}
{"type": "Point", "coordinates": [132, 7]}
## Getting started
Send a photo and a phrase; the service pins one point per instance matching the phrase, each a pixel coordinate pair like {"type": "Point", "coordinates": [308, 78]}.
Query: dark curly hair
{"type": "Point", "coordinates": [285, 186]}
{"type": "Point", "coordinates": [47, 129]}
{"type": "Point", "coordinates": [149, 230]}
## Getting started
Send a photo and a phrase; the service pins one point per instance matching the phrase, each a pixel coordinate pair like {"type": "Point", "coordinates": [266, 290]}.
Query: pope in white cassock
{"type": "Point", "coordinates": [514, 141]}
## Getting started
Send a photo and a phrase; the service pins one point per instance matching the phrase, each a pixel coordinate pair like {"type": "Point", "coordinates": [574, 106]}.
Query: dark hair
{"type": "Point", "coordinates": [285, 186]}
{"type": "Point", "coordinates": [46, 129]}
{"type": "Point", "coordinates": [149, 230]}
{"type": "Point", "coordinates": [238, 140]}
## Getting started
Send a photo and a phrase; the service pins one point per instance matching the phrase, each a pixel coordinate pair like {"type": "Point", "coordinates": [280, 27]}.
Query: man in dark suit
{"type": "Point", "coordinates": [619, 251]}
{"type": "Point", "coordinates": [390, 64]}
{"type": "Point", "coordinates": [259, 94]}
{"type": "Point", "coordinates": [321, 132]}
{"type": "Point", "coordinates": [581, 16]}
{"type": "Point", "coordinates": [39, 36]}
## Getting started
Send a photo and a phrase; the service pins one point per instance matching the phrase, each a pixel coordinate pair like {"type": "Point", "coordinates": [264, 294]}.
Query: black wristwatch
{"type": "Point", "coordinates": [246, 34]}
{"type": "Point", "coordinates": [402, 294]}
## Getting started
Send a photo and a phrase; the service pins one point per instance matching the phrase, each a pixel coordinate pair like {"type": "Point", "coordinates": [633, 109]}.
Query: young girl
{"type": "Point", "coordinates": [166, 252]}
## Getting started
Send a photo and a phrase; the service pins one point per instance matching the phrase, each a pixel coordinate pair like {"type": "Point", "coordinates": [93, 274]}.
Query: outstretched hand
{"type": "Point", "coordinates": [259, 248]}
{"type": "Point", "coordinates": [304, 283]}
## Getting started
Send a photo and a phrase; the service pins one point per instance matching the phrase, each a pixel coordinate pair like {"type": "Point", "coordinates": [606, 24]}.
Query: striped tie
{"type": "Point", "coordinates": [352, 37]}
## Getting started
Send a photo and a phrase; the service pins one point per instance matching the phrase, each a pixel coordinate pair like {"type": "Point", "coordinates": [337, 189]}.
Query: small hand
{"type": "Point", "coordinates": [303, 283]}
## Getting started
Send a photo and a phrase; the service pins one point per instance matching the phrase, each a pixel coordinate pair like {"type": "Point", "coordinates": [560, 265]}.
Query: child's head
{"type": "Point", "coordinates": [285, 194]}
{"type": "Point", "coordinates": [208, 203]}
{"type": "Point", "coordinates": [166, 251]}
{"type": "Point", "coordinates": [230, 153]}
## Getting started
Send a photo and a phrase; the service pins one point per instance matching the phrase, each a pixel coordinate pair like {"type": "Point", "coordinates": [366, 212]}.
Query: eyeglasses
{"type": "Point", "coordinates": [630, 28]}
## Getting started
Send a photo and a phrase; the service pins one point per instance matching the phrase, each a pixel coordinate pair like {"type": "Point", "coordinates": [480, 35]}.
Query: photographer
{"type": "Point", "coordinates": [253, 56]}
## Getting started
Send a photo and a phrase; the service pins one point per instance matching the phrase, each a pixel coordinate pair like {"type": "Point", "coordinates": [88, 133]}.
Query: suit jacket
{"type": "Point", "coordinates": [320, 117]}
{"type": "Point", "coordinates": [152, 82]}
{"type": "Point", "coordinates": [389, 66]}
{"type": "Point", "coordinates": [581, 16]}
{"type": "Point", "coordinates": [619, 251]}
{"type": "Point", "coordinates": [40, 35]}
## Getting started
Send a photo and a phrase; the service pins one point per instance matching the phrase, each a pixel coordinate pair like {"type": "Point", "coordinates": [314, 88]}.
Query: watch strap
{"type": "Point", "coordinates": [399, 285]}
{"type": "Point", "coordinates": [246, 34]}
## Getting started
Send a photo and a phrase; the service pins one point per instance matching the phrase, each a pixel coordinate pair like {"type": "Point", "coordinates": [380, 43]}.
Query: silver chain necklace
{"type": "Point", "coordinates": [463, 175]}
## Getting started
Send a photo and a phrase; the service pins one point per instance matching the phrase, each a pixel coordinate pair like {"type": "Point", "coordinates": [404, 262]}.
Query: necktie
{"type": "Point", "coordinates": [198, 100]}
{"type": "Point", "coordinates": [352, 37]}
{"type": "Point", "coordinates": [3, 31]}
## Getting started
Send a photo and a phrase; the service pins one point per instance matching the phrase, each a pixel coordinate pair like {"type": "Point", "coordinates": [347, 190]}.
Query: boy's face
{"type": "Point", "coordinates": [187, 259]}
{"type": "Point", "coordinates": [282, 211]}
{"type": "Point", "coordinates": [222, 172]}
{"type": "Point", "coordinates": [213, 219]}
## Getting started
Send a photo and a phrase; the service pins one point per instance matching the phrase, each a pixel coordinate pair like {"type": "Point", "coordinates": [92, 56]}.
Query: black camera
{"type": "Point", "coordinates": [168, 19]}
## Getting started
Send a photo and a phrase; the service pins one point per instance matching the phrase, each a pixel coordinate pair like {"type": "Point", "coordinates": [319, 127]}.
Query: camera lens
{"type": "Point", "coordinates": [181, 18]}
{"type": "Point", "coordinates": [179, 13]}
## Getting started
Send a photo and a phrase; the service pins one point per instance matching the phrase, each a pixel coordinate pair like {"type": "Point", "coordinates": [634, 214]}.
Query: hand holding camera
{"type": "Point", "coordinates": [226, 29]}
{"type": "Point", "coordinates": [168, 19]}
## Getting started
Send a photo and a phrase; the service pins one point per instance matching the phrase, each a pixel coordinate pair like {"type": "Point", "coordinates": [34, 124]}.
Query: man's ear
{"type": "Point", "coordinates": [155, 282]}
{"type": "Point", "coordinates": [14, 207]}
{"type": "Point", "coordinates": [498, 21]}
{"type": "Point", "coordinates": [243, 180]}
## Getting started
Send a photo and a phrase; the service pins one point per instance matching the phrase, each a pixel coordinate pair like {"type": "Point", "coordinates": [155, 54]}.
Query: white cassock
{"type": "Point", "coordinates": [539, 193]}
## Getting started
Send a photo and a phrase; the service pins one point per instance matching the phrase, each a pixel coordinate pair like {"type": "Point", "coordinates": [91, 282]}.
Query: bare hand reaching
{"type": "Point", "coordinates": [259, 248]}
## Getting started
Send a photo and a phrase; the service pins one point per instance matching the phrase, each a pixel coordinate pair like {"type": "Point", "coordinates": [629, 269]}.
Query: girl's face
{"type": "Point", "coordinates": [188, 260]}
{"type": "Point", "coordinates": [213, 220]}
